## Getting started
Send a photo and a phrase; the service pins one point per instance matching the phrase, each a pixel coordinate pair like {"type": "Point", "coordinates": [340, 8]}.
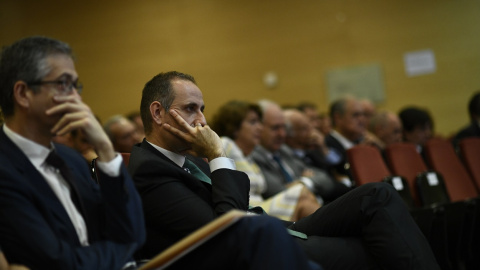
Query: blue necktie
{"type": "Point", "coordinates": [192, 169]}
{"type": "Point", "coordinates": [286, 175]}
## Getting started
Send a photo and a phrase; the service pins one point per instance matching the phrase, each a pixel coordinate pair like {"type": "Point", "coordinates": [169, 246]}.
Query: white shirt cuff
{"type": "Point", "coordinates": [222, 163]}
{"type": "Point", "coordinates": [308, 183]}
{"type": "Point", "coordinates": [111, 168]}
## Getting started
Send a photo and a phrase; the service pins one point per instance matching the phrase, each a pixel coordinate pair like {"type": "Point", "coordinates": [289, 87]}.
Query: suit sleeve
{"type": "Point", "coordinates": [123, 215]}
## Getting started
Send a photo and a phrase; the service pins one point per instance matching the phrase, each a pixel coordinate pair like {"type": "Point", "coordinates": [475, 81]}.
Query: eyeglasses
{"type": "Point", "coordinates": [65, 86]}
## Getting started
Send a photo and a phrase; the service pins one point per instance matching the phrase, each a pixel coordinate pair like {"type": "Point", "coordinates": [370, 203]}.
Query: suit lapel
{"type": "Point", "coordinates": [187, 178]}
{"type": "Point", "coordinates": [34, 181]}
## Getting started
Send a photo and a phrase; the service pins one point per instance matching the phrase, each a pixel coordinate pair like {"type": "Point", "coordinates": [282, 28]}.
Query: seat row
{"type": "Point", "coordinates": [440, 187]}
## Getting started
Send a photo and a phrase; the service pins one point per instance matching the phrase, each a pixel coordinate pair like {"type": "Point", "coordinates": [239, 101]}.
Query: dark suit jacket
{"type": "Point", "coordinates": [273, 175]}
{"type": "Point", "coordinates": [342, 167]}
{"type": "Point", "coordinates": [323, 184]}
{"type": "Point", "coordinates": [175, 203]}
{"type": "Point", "coordinates": [36, 231]}
{"type": "Point", "coordinates": [472, 130]}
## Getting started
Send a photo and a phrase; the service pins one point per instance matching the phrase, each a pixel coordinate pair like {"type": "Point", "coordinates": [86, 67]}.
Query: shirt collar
{"type": "Point", "coordinates": [176, 158]}
{"type": "Point", "coordinates": [346, 143]}
{"type": "Point", "coordinates": [35, 152]}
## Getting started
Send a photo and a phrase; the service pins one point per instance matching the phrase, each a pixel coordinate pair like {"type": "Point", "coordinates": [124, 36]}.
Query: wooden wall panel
{"type": "Point", "coordinates": [229, 45]}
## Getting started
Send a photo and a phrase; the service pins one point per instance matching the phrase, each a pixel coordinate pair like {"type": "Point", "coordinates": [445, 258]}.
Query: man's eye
{"type": "Point", "coordinates": [65, 83]}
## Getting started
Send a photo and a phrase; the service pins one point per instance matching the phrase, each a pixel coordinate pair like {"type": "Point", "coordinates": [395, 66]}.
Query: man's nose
{"type": "Point", "coordinates": [199, 121]}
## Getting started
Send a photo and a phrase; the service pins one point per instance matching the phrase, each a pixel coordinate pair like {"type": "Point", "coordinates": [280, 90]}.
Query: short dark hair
{"type": "Point", "coordinates": [229, 117]}
{"type": "Point", "coordinates": [474, 106]}
{"type": "Point", "coordinates": [159, 88]}
{"type": "Point", "coordinates": [337, 107]}
{"type": "Point", "coordinates": [413, 117]}
{"type": "Point", "coordinates": [25, 60]}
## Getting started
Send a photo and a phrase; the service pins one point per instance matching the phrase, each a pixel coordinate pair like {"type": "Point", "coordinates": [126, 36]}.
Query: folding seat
{"type": "Point", "coordinates": [427, 187]}
{"type": "Point", "coordinates": [470, 154]}
{"type": "Point", "coordinates": [429, 192]}
{"type": "Point", "coordinates": [367, 165]}
{"type": "Point", "coordinates": [441, 156]}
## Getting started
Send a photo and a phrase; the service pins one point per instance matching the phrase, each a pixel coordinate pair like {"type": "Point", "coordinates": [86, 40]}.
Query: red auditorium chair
{"type": "Point", "coordinates": [441, 156]}
{"type": "Point", "coordinates": [427, 187]}
{"type": "Point", "coordinates": [367, 165]}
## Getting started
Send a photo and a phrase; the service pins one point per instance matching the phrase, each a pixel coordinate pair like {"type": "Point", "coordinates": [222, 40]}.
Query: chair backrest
{"type": "Point", "coordinates": [403, 188]}
{"type": "Point", "coordinates": [431, 189]}
{"type": "Point", "coordinates": [441, 156]}
{"type": "Point", "coordinates": [126, 158]}
{"type": "Point", "coordinates": [470, 153]}
{"type": "Point", "coordinates": [404, 160]}
{"type": "Point", "coordinates": [366, 164]}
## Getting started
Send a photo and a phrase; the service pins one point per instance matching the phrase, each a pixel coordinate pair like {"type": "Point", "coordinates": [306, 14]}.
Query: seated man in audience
{"type": "Point", "coordinates": [387, 127]}
{"type": "Point", "coordinates": [311, 112]}
{"type": "Point", "coordinates": [369, 227]}
{"type": "Point", "coordinates": [472, 130]}
{"type": "Point", "coordinates": [53, 216]}
{"type": "Point", "coordinates": [278, 163]}
{"type": "Point", "coordinates": [122, 132]}
{"type": "Point", "coordinates": [136, 118]}
{"type": "Point", "coordinates": [369, 109]}
{"type": "Point", "coordinates": [307, 143]}
{"type": "Point", "coordinates": [325, 123]}
{"type": "Point", "coordinates": [417, 126]}
{"type": "Point", "coordinates": [349, 128]}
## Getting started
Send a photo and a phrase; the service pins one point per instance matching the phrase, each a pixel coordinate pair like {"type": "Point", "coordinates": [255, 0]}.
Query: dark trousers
{"type": "Point", "coordinates": [254, 242]}
{"type": "Point", "coordinates": [367, 228]}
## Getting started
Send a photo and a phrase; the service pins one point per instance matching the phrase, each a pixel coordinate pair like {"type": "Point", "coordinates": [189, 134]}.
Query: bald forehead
{"type": "Point", "coordinates": [295, 116]}
{"type": "Point", "coordinates": [272, 112]}
{"type": "Point", "coordinates": [393, 118]}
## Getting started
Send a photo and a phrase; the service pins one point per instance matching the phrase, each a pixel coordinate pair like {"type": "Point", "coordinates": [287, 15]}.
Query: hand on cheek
{"type": "Point", "coordinates": [204, 141]}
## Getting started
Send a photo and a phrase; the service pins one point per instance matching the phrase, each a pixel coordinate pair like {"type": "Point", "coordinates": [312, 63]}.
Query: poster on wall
{"type": "Point", "coordinates": [419, 62]}
{"type": "Point", "coordinates": [361, 81]}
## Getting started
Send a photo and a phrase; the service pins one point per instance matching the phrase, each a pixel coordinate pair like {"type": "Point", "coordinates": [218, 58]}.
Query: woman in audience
{"type": "Point", "coordinates": [239, 125]}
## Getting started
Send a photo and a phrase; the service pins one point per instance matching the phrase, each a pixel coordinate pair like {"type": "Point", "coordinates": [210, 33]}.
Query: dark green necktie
{"type": "Point", "coordinates": [191, 168]}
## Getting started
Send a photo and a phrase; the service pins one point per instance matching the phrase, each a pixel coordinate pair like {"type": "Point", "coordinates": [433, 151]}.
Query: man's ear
{"type": "Point", "coordinates": [158, 112]}
{"type": "Point", "coordinates": [21, 96]}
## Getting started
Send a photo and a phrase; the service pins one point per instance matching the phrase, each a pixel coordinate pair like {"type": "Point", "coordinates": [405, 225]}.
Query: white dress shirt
{"type": "Point", "coordinates": [37, 154]}
{"type": "Point", "coordinates": [215, 164]}
{"type": "Point", "coordinates": [346, 143]}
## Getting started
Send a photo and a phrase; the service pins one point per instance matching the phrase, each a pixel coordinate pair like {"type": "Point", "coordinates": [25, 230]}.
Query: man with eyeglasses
{"type": "Point", "coordinates": [52, 215]}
